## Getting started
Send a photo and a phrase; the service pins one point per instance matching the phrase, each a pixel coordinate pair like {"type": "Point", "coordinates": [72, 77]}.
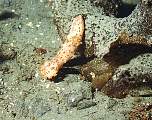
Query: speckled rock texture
{"type": "Point", "coordinates": [104, 30]}
{"type": "Point", "coordinates": [29, 26]}
{"type": "Point", "coordinates": [116, 40]}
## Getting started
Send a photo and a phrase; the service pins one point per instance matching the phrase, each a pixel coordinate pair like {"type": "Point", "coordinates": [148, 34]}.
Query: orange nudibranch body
{"type": "Point", "coordinates": [50, 68]}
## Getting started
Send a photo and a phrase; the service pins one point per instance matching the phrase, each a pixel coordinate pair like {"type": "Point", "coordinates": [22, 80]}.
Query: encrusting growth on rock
{"type": "Point", "coordinates": [50, 68]}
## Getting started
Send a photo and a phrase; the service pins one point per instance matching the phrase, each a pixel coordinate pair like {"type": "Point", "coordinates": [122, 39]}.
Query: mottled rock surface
{"type": "Point", "coordinates": [27, 25]}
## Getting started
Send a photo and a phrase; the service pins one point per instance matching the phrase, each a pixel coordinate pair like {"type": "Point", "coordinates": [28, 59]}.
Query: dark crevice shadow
{"type": "Point", "coordinates": [64, 72]}
{"type": "Point", "coordinates": [122, 54]}
{"type": "Point", "coordinates": [72, 67]}
{"type": "Point", "coordinates": [125, 10]}
{"type": "Point", "coordinates": [5, 15]}
{"type": "Point", "coordinates": [145, 95]}
{"type": "Point", "coordinates": [81, 60]}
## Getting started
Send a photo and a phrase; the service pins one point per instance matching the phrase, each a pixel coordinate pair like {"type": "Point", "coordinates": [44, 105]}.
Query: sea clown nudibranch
{"type": "Point", "coordinates": [50, 68]}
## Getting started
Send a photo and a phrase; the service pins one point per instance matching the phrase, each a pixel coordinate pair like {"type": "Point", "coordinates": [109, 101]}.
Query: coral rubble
{"type": "Point", "coordinates": [115, 40]}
